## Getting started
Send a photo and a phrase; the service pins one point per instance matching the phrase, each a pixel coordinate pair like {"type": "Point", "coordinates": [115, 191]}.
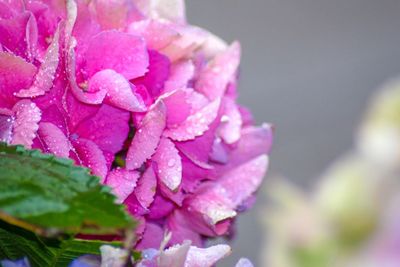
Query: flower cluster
{"type": "Point", "coordinates": [143, 99]}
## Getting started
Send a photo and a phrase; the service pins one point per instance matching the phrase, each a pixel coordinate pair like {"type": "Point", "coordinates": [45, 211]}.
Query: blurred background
{"type": "Point", "coordinates": [309, 67]}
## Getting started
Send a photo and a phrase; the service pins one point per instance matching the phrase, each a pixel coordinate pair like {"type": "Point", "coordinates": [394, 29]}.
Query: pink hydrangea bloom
{"type": "Point", "coordinates": [145, 100]}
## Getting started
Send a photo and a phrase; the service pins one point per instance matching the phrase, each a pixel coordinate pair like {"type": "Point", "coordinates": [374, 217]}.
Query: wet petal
{"type": "Point", "coordinates": [146, 188]}
{"type": "Point", "coordinates": [118, 90]}
{"type": "Point", "coordinates": [196, 124]}
{"type": "Point", "coordinates": [175, 255]}
{"type": "Point", "coordinates": [147, 137]}
{"type": "Point", "coordinates": [91, 156]}
{"type": "Point", "coordinates": [169, 164]}
{"type": "Point", "coordinates": [27, 116]}
{"type": "Point", "coordinates": [54, 139]}
{"type": "Point", "coordinates": [6, 125]}
{"type": "Point", "coordinates": [46, 73]}
{"type": "Point", "coordinates": [231, 122]}
{"type": "Point", "coordinates": [215, 77]}
{"type": "Point", "coordinates": [123, 182]}
{"type": "Point", "coordinates": [206, 257]}
{"type": "Point", "coordinates": [181, 73]}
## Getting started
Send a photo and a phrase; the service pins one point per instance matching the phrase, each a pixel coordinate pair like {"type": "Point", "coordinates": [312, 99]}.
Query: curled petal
{"type": "Point", "coordinates": [27, 116]}
{"type": "Point", "coordinates": [196, 124]}
{"type": "Point", "coordinates": [124, 53]}
{"type": "Point", "coordinates": [44, 78]}
{"type": "Point", "coordinates": [117, 90]}
{"type": "Point", "coordinates": [175, 255]}
{"type": "Point", "coordinates": [123, 182]}
{"type": "Point", "coordinates": [91, 156]}
{"type": "Point", "coordinates": [147, 137]}
{"type": "Point", "coordinates": [54, 139]}
{"type": "Point", "coordinates": [215, 77]}
{"type": "Point", "coordinates": [181, 73]}
{"type": "Point", "coordinates": [169, 164]}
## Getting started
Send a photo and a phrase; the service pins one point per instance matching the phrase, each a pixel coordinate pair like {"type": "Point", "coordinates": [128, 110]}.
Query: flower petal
{"type": "Point", "coordinates": [91, 156]}
{"type": "Point", "coordinates": [206, 257]}
{"type": "Point", "coordinates": [54, 139]}
{"type": "Point", "coordinates": [147, 137]}
{"type": "Point", "coordinates": [6, 125]}
{"type": "Point", "coordinates": [27, 116]}
{"type": "Point", "coordinates": [231, 122]}
{"type": "Point", "coordinates": [169, 164]}
{"type": "Point", "coordinates": [123, 182]}
{"type": "Point", "coordinates": [118, 90]}
{"type": "Point", "coordinates": [124, 53]}
{"type": "Point", "coordinates": [46, 73]}
{"type": "Point", "coordinates": [196, 124]}
{"type": "Point", "coordinates": [146, 188]}
{"type": "Point", "coordinates": [215, 77]}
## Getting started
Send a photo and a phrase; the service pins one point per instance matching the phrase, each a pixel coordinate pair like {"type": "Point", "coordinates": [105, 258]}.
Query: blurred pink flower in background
{"type": "Point", "coordinates": [143, 99]}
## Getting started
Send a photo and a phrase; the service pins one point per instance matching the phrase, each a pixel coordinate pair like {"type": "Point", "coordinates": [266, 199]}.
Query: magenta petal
{"type": "Point", "coordinates": [169, 164]}
{"type": "Point", "coordinates": [46, 73]}
{"type": "Point", "coordinates": [231, 122]}
{"type": "Point", "coordinates": [123, 182]}
{"type": "Point", "coordinates": [160, 208]}
{"type": "Point", "coordinates": [147, 137]}
{"type": "Point", "coordinates": [16, 74]}
{"type": "Point", "coordinates": [152, 237]}
{"type": "Point", "coordinates": [178, 108]}
{"type": "Point", "coordinates": [108, 128]}
{"type": "Point", "coordinates": [214, 79]}
{"type": "Point", "coordinates": [206, 256]}
{"type": "Point", "coordinates": [196, 124]}
{"type": "Point", "coordinates": [112, 14]}
{"type": "Point", "coordinates": [179, 226]}
{"type": "Point", "coordinates": [91, 156]}
{"type": "Point", "coordinates": [118, 90]}
{"type": "Point", "coordinates": [125, 53]}
{"type": "Point", "coordinates": [27, 116]}
{"type": "Point", "coordinates": [53, 139]}
{"type": "Point", "coordinates": [146, 188]}
{"type": "Point", "coordinates": [156, 76]}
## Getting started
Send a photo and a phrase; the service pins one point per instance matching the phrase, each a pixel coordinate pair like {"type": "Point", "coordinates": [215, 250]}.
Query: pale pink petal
{"type": "Point", "coordinates": [181, 73]}
{"type": "Point", "coordinates": [196, 124]}
{"type": "Point", "coordinates": [146, 188]}
{"type": "Point", "coordinates": [169, 164]}
{"type": "Point", "coordinates": [16, 74]}
{"type": "Point", "coordinates": [170, 10]}
{"type": "Point", "coordinates": [215, 77]}
{"type": "Point", "coordinates": [91, 156]}
{"type": "Point", "coordinates": [190, 39]}
{"type": "Point", "coordinates": [53, 139]}
{"type": "Point", "coordinates": [111, 14]}
{"type": "Point", "coordinates": [46, 73]}
{"type": "Point", "coordinates": [206, 257]}
{"type": "Point", "coordinates": [122, 182]}
{"type": "Point", "coordinates": [27, 116]}
{"type": "Point", "coordinates": [231, 122]}
{"type": "Point", "coordinates": [175, 255]}
{"type": "Point", "coordinates": [125, 53]}
{"type": "Point", "coordinates": [157, 34]}
{"type": "Point", "coordinates": [118, 90]}
{"type": "Point", "coordinates": [147, 137]}
{"type": "Point", "coordinates": [241, 182]}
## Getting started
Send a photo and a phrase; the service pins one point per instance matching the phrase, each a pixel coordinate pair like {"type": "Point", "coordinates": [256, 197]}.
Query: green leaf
{"type": "Point", "coordinates": [50, 195]}
{"type": "Point", "coordinates": [16, 243]}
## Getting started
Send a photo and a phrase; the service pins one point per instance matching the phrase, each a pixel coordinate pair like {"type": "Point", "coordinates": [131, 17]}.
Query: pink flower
{"type": "Point", "coordinates": [145, 100]}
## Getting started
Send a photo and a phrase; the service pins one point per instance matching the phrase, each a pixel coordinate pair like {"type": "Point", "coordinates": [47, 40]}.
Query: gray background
{"type": "Point", "coordinates": [308, 66]}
